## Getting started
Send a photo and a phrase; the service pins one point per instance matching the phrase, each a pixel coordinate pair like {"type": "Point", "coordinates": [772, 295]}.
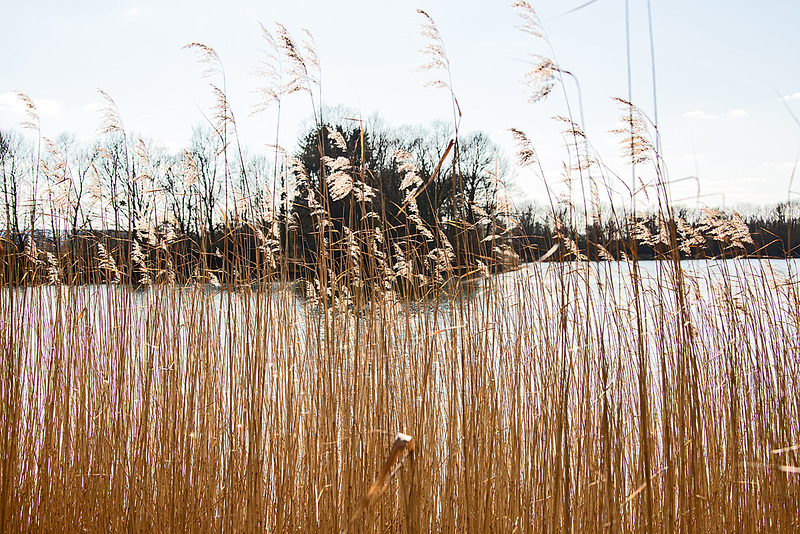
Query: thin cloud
{"type": "Point", "coordinates": [45, 107]}
{"type": "Point", "coordinates": [9, 102]}
{"type": "Point", "coordinates": [132, 12]}
{"type": "Point", "coordinates": [793, 96]}
{"type": "Point", "coordinates": [698, 114]}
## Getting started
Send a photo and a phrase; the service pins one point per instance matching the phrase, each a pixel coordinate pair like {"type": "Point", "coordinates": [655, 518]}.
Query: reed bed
{"type": "Point", "coordinates": [183, 408]}
{"type": "Point", "coordinates": [399, 385]}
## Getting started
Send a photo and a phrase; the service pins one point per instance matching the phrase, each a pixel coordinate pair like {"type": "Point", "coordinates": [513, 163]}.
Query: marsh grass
{"type": "Point", "coordinates": [184, 408]}
{"type": "Point", "coordinates": [373, 395]}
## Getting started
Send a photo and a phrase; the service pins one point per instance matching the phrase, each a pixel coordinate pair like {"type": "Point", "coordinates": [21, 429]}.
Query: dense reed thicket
{"type": "Point", "coordinates": [340, 358]}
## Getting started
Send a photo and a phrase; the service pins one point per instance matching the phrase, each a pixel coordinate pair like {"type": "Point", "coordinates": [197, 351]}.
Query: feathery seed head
{"type": "Point", "coordinates": [207, 55]}
{"type": "Point", "coordinates": [571, 128]}
{"type": "Point", "coordinates": [530, 20]}
{"type": "Point", "coordinates": [541, 79]}
{"type": "Point", "coordinates": [362, 192]}
{"type": "Point", "coordinates": [30, 111]}
{"type": "Point", "coordinates": [107, 263]}
{"type": "Point", "coordinates": [604, 253]}
{"type": "Point", "coordinates": [434, 51]}
{"type": "Point", "coordinates": [309, 47]}
{"type": "Point", "coordinates": [31, 252]}
{"type": "Point", "coordinates": [223, 114]}
{"type": "Point", "coordinates": [340, 184]}
{"type": "Point", "coordinates": [191, 174]}
{"type": "Point", "coordinates": [337, 138]}
{"type": "Point", "coordinates": [302, 59]}
{"type": "Point", "coordinates": [111, 121]}
{"type": "Point", "coordinates": [53, 271]}
{"type": "Point", "coordinates": [339, 164]}
{"type": "Point", "coordinates": [526, 154]}
{"type": "Point", "coordinates": [636, 145]}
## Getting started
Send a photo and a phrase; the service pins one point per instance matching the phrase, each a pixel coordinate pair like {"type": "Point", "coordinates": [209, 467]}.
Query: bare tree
{"type": "Point", "coordinates": [429, 147]}
{"type": "Point", "coordinates": [72, 178]}
{"type": "Point", "coordinates": [208, 179]}
{"type": "Point", "coordinates": [482, 173]}
{"type": "Point", "coordinates": [113, 167]}
{"type": "Point", "coordinates": [178, 182]}
{"type": "Point", "coordinates": [11, 175]}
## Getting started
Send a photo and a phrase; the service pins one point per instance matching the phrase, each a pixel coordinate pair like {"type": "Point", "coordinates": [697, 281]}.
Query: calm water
{"type": "Point", "coordinates": [600, 291]}
{"type": "Point", "coordinates": [535, 312]}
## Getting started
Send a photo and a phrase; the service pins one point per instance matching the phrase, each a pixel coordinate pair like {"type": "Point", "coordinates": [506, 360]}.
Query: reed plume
{"type": "Point", "coordinates": [107, 263]}
{"type": "Point", "coordinates": [636, 145]}
{"type": "Point", "coordinates": [29, 108]}
{"type": "Point", "coordinates": [110, 119]}
{"type": "Point", "coordinates": [539, 81]}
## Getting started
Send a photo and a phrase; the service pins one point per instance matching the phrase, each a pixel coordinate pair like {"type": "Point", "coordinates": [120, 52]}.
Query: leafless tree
{"type": "Point", "coordinates": [11, 175]}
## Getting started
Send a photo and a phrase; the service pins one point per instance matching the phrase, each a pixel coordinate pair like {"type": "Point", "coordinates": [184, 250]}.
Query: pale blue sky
{"type": "Point", "coordinates": [722, 68]}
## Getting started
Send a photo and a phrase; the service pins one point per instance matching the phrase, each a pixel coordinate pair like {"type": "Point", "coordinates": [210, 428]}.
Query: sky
{"type": "Point", "coordinates": [724, 87]}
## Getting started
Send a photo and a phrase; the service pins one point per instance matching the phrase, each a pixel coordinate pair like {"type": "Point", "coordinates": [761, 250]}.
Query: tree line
{"type": "Point", "coordinates": [417, 199]}
{"type": "Point", "coordinates": [417, 204]}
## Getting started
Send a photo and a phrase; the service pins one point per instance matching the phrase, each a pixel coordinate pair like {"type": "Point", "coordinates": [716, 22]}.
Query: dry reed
{"type": "Point", "coordinates": [561, 396]}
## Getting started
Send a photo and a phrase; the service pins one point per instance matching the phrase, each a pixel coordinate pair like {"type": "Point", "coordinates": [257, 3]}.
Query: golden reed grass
{"type": "Point", "coordinates": [179, 408]}
{"type": "Point", "coordinates": [563, 396]}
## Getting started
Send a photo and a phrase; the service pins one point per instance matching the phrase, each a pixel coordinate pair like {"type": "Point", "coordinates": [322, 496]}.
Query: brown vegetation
{"type": "Point", "coordinates": [352, 363]}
